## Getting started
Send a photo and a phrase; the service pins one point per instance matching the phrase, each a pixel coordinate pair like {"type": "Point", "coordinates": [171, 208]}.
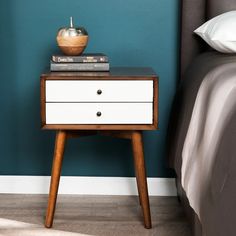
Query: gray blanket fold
{"type": "Point", "coordinates": [200, 139]}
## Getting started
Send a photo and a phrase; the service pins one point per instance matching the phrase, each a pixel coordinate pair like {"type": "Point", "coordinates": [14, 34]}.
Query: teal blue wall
{"type": "Point", "coordinates": [131, 32]}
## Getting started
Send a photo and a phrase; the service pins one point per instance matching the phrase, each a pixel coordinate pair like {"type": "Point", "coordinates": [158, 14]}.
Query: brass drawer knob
{"type": "Point", "coordinates": [99, 113]}
{"type": "Point", "coordinates": [99, 92]}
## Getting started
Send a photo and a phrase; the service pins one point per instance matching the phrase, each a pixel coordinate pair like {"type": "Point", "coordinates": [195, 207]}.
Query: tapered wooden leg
{"type": "Point", "coordinates": [140, 171]}
{"type": "Point", "coordinates": [138, 186]}
{"type": "Point", "coordinates": [55, 176]}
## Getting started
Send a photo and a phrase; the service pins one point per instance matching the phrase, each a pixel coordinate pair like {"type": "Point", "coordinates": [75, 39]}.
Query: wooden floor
{"type": "Point", "coordinates": [99, 215]}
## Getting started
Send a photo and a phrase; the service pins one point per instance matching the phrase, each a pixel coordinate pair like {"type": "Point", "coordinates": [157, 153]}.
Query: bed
{"type": "Point", "coordinates": [202, 129]}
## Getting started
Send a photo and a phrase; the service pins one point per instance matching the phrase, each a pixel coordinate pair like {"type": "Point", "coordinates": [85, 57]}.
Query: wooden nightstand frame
{"type": "Point", "coordinates": [126, 131]}
{"type": "Point", "coordinates": [152, 126]}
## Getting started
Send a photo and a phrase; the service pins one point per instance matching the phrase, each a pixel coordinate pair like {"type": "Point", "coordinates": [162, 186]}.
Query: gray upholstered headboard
{"type": "Point", "coordinates": [194, 13]}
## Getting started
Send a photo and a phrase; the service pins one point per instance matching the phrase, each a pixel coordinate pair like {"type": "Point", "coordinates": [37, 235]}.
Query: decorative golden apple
{"type": "Point", "coordinates": [72, 41]}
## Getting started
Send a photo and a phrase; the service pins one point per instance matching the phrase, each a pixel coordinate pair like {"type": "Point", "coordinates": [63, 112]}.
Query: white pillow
{"type": "Point", "coordinates": [220, 32]}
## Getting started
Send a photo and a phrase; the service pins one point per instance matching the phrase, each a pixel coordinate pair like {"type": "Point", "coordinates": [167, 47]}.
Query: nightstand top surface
{"type": "Point", "coordinates": [114, 72]}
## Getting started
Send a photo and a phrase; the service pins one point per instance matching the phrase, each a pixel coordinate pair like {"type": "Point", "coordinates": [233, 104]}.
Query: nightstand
{"type": "Point", "coordinates": [120, 103]}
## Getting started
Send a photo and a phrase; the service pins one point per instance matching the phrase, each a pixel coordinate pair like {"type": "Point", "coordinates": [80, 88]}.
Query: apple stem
{"type": "Point", "coordinates": [71, 22]}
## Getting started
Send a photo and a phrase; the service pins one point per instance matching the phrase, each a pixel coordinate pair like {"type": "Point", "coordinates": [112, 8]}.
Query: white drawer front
{"type": "Point", "coordinates": [111, 113]}
{"type": "Point", "coordinates": [86, 91]}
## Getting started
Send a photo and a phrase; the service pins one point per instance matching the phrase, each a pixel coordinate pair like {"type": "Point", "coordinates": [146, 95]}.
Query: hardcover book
{"type": "Point", "coordinates": [84, 58]}
{"type": "Point", "coordinates": [79, 66]}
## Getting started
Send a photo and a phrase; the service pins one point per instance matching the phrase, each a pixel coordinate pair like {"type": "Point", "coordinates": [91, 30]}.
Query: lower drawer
{"type": "Point", "coordinates": [99, 113]}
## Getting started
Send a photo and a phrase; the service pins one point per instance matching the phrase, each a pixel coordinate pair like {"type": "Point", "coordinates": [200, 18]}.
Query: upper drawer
{"type": "Point", "coordinates": [99, 91]}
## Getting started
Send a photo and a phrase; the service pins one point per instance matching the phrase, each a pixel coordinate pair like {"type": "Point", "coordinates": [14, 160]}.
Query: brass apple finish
{"type": "Point", "coordinates": [72, 41]}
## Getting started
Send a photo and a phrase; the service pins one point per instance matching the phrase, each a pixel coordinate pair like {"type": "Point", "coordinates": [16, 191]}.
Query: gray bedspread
{"type": "Point", "coordinates": [210, 187]}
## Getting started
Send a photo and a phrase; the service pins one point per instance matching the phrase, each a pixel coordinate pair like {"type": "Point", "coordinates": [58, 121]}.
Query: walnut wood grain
{"type": "Point", "coordinates": [43, 102]}
{"type": "Point", "coordinates": [99, 127]}
{"type": "Point", "coordinates": [116, 73]}
{"type": "Point", "coordinates": [55, 177]}
{"type": "Point", "coordinates": [155, 103]}
{"type": "Point", "coordinates": [139, 164]}
{"type": "Point", "coordinates": [140, 171]}
{"type": "Point", "coordinates": [132, 132]}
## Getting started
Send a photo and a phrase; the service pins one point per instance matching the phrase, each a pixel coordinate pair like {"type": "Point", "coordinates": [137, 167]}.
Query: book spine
{"type": "Point", "coordinates": [80, 59]}
{"type": "Point", "coordinates": [80, 66]}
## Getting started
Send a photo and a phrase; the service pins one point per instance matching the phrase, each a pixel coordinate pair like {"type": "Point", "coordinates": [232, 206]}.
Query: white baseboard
{"type": "Point", "coordinates": [85, 185]}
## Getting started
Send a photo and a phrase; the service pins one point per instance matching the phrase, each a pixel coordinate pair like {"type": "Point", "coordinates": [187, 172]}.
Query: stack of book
{"type": "Point", "coordinates": [84, 62]}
